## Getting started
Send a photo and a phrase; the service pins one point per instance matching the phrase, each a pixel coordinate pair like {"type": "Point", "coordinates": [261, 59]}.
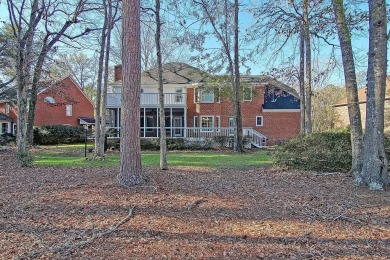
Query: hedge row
{"type": "Point", "coordinates": [327, 151]}
{"type": "Point", "coordinates": [153, 144]}
{"type": "Point", "coordinates": [58, 134]}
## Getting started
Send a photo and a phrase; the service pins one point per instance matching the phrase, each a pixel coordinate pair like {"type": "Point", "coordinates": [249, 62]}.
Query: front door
{"type": "Point", "coordinates": [177, 126]}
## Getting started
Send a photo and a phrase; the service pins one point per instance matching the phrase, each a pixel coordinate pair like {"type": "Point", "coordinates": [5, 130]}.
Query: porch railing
{"type": "Point", "coordinates": [149, 99]}
{"type": "Point", "coordinates": [254, 137]}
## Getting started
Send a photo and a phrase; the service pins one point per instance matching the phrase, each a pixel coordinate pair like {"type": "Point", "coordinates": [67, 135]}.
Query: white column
{"type": "Point", "coordinates": [144, 122]}
{"type": "Point", "coordinates": [158, 119]}
{"type": "Point", "coordinates": [185, 122]}
{"type": "Point", "coordinates": [9, 128]}
{"type": "Point", "coordinates": [171, 119]}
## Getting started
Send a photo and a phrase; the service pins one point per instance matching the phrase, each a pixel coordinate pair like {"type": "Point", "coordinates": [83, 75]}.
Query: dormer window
{"type": "Point", "coordinates": [50, 100]}
{"type": "Point", "coordinates": [6, 108]}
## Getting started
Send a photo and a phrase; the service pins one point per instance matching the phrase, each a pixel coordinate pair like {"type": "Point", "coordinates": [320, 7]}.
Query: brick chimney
{"type": "Point", "coordinates": [118, 72]}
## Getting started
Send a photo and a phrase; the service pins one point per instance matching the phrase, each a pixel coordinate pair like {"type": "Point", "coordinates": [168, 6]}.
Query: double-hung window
{"type": "Point", "coordinates": [218, 123]}
{"type": "Point", "coordinates": [247, 95]}
{"type": "Point", "coordinates": [179, 95]}
{"type": "Point", "coordinates": [207, 123]}
{"type": "Point", "coordinates": [196, 122]}
{"type": "Point", "coordinates": [207, 95]}
{"type": "Point", "coordinates": [259, 121]}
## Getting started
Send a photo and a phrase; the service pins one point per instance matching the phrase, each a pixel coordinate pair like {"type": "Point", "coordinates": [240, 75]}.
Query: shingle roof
{"type": "Point", "coordinates": [267, 80]}
{"type": "Point", "coordinates": [174, 73]}
{"type": "Point", "coordinates": [362, 95]}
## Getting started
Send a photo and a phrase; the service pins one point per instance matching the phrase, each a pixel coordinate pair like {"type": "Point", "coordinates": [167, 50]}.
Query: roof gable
{"type": "Point", "coordinates": [362, 95]}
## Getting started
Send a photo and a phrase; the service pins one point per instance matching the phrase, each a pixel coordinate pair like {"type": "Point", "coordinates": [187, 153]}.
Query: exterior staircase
{"type": "Point", "coordinates": [257, 139]}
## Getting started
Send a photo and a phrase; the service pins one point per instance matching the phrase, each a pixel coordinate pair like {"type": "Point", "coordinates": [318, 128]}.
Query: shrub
{"type": "Point", "coordinates": [326, 151]}
{"type": "Point", "coordinates": [58, 134]}
{"type": "Point", "coordinates": [153, 144]}
{"type": "Point", "coordinates": [7, 139]}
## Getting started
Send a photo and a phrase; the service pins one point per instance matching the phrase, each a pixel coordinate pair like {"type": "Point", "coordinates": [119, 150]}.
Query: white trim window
{"type": "Point", "coordinates": [259, 120]}
{"type": "Point", "coordinates": [207, 95]}
{"type": "Point", "coordinates": [7, 108]}
{"type": "Point", "coordinates": [247, 93]}
{"type": "Point", "coordinates": [196, 121]}
{"type": "Point", "coordinates": [218, 123]}
{"type": "Point", "coordinates": [179, 95]}
{"type": "Point", "coordinates": [196, 95]}
{"type": "Point", "coordinates": [68, 110]}
{"type": "Point", "coordinates": [207, 123]}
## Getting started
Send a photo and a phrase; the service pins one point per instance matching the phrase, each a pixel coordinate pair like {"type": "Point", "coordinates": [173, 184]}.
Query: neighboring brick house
{"type": "Point", "coordinates": [270, 109]}
{"type": "Point", "coordinates": [60, 103]}
{"type": "Point", "coordinates": [341, 118]}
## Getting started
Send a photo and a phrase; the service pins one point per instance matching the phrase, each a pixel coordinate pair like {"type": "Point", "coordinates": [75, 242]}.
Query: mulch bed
{"type": "Point", "coordinates": [187, 213]}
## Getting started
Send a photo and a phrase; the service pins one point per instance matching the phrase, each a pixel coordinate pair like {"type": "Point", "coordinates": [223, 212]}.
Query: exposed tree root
{"type": "Point", "coordinates": [195, 203]}
{"type": "Point", "coordinates": [69, 246]}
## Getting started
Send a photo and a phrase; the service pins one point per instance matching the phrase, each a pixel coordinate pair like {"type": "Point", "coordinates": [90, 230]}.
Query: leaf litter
{"type": "Point", "coordinates": [188, 213]}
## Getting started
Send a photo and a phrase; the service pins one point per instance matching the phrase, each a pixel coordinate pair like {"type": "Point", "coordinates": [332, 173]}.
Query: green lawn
{"type": "Point", "coordinates": [73, 155]}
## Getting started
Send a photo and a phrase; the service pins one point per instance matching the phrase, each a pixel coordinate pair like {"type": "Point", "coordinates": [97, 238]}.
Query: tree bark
{"type": "Point", "coordinates": [131, 169]}
{"type": "Point", "coordinates": [98, 106]}
{"type": "Point", "coordinates": [23, 67]}
{"type": "Point", "coordinates": [375, 163]}
{"type": "Point", "coordinates": [308, 123]}
{"type": "Point", "coordinates": [237, 99]}
{"type": "Point", "coordinates": [302, 80]}
{"type": "Point", "coordinates": [351, 89]}
{"type": "Point", "coordinates": [163, 133]}
{"type": "Point", "coordinates": [105, 79]}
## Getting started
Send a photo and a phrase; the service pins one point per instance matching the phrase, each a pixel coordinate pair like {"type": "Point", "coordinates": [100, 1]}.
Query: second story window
{"type": "Point", "coordinates": [179, 95]}
{"type": "Point", "coordinates": [247, 95]}
{"type": "Point", "coordinates": [7, 108]}
{"type": "Point", "coordinates": [207, 95]}
{"type": "Point", "coordinates": [68, 110]}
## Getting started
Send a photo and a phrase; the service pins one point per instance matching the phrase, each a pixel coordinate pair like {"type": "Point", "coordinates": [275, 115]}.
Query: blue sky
{"type": "Point", "coordinates": [360, 48]}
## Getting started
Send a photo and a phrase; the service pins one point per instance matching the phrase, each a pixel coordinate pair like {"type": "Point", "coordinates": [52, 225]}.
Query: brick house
{"type": "Point", "coordinates": [341, 118]}
{"type": "Point", "coordinates": [195, 109]}
{"type": "Point", "coordinates": [59, 103]}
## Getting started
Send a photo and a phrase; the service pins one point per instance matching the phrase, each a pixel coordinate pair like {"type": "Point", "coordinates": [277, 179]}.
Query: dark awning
{"type": "Point", "coordinates": [87, 120]}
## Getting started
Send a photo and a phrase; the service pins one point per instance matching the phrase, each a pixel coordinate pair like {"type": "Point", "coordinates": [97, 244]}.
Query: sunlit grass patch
{"type": "Point", "coordinates": [67, 156]}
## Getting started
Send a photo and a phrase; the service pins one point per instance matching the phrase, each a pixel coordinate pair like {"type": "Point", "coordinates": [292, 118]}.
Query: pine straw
{"type": "Point", "coordinates": [189, 214]}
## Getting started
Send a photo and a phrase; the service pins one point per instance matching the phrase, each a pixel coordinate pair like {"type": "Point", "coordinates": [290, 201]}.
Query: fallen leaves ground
{"type": "Point", "coordinates": [187, 213]}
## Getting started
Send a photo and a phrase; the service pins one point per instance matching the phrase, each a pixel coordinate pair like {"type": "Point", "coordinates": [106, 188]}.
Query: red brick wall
{"type": "Point", "coordinates": [118, 72]}
{"type": "Point", "coordinates": [277, 126]}
{"type": "Point", "coordinates": [55, 114]}
{"type": "Point", "coordinates": [13, 112]}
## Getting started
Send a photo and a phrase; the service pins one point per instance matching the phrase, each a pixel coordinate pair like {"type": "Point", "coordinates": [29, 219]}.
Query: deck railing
{"type": "Point", "coordinates": [149, 99]}
{"type": "Point", "coordinates": [226, 133]}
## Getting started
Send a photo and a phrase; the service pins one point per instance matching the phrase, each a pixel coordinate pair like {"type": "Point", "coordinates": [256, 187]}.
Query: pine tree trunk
{"type": "Point", "coordinates": [308, 121]}
{"type": "Point", "coordinates": [375, 163]}
{"type": "Point", "coordinates": [131, 168]}
{"type": "Point", "coordinates": [351, 89]}
{"type": "Point", "coordinates": [163, 133]}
